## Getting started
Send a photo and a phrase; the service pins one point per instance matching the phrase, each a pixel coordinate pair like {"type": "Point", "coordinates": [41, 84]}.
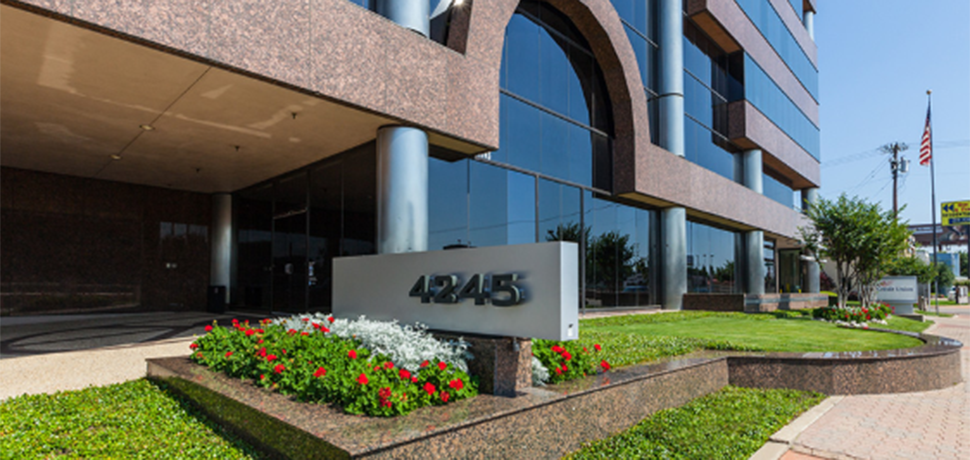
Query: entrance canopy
{"type": "Point", "coordinates": [82, 103]}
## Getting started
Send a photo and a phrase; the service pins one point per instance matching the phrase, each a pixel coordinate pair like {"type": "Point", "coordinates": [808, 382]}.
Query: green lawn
{"type": "Point", "coordinates": [136, 419]}
{"type": "Point", "coordinates": [933, 313]}
{"type": "Point", "coordinates": [756, 332]}
{"type": "Point", "coordinates": [732, 423]}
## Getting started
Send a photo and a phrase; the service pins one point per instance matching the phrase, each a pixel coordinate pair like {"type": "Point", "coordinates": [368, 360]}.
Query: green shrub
{"type": "Point", "coordinates": [855, 314]}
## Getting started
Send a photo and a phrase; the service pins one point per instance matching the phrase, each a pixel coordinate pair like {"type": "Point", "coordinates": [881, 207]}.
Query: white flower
{"type": "Point", "coordinates": [407, 346]}
{"type": "Point", "coordinates": [540, 375]}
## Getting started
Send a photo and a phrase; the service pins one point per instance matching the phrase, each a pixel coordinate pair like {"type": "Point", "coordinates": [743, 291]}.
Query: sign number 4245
{"type": "Point", "coordinates": [444, 289]}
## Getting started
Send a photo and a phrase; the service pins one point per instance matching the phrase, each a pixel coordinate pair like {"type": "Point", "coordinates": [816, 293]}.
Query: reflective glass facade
{"type": "Point", "coordinates": [639, 19]}
{"type": "Point", "coordinates": [711, 259]}
{"type": "Point", "coordinates": [779, 191]}
{"type": "Point", "coordinates": [763, 93]}
{"type": "Point", "coordinates": [766, 19]}
{"type": "Point", "coordinates": [711, 80]}
{"type": "Point", "coordinates": [550, 180]}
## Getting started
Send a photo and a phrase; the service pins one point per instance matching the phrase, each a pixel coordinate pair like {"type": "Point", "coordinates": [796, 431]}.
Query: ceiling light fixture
{"type": "Point", "coordinates": [147, 127]}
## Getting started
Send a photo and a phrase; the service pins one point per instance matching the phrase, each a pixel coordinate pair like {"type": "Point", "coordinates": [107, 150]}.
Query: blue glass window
{"type": "Point", "coordinates": [711, 266]}
{"type": "Point", "coordinates": [766, 19]}
{"type": "Point", "coordinates": [764, 94]}
{"type": "Point", "coordinates": [778, 191]}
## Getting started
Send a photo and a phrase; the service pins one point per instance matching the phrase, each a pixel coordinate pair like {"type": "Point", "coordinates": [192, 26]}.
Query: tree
{"type": "Point", "coordinates": [860, 238]}
{"type": "Point", "coordinates": [944, 277]}
{"type": "Point", "coordinates": [911, 266]}
{"type": "Point", "coordinates": [963, 265]}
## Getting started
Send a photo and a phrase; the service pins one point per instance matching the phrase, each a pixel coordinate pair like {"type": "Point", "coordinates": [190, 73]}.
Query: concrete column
{"type": "Point", "coordinates": [808, 17]}
{"type": "Point", "coordinates": [220, 261]}
{"type": "Point", "coordinates": [413, 14]}
{"type": "Point", "coordinates": [672, 76]}
{"type": "Point", "coordinates": [402, 190]}
{"type": "Point", "coordinates": [812, 272]}
{"type": "Point", "coordinates": [752, 170]}
{"type": "Point", "coordinates": [673, 255]}
{"type": "Point", "coordinates": [809, 197]}
{"type": "Point", "coordinates": [754, 243]}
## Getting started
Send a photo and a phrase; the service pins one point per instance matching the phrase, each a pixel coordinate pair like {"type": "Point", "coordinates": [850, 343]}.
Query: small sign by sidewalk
{"type": "Point", "coordinates": [898, 291]}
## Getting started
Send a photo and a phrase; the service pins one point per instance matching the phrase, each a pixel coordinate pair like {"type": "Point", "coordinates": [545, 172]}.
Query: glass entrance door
{"type": "Point", "coordinates": [290, 245]}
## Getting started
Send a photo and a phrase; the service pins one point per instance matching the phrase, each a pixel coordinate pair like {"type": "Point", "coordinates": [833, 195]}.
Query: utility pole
{"type": "Point", "coordinates": [897, 166]}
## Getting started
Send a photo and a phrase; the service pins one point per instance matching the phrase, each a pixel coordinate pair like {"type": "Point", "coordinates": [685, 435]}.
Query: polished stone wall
{"type": "Point", "coordinates": [76, 245]}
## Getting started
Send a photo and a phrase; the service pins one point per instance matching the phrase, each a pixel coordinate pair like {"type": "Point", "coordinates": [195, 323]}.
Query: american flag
{"type": "Point", "coordinates": [926, 145]}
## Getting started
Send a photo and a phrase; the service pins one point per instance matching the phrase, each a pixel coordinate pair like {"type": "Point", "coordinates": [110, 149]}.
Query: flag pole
{"type": "Point", "coordinates": [936, 273]}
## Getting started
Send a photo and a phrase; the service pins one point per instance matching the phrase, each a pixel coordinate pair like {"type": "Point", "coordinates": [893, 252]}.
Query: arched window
{"type": "Point", "coordinates": [555, 112]}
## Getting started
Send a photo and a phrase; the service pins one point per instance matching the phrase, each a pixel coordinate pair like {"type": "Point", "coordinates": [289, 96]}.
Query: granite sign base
{"type": "Point", "coordinates": [542, 422]}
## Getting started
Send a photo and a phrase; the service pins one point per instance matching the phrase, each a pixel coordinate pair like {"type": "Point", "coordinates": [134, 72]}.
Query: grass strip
{"type": "Point", "coordinates": [930, 313]}
{"type": "Point", "coordinates": [740, 331]}
{"type": "Point", "coordinates": [732, 423]}
{"type": "Point", "coordinates": [136, 419]}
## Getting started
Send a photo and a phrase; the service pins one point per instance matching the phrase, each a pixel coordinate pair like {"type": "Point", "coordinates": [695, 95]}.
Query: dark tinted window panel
{"type": "Point", "coordinates": [766, 19]}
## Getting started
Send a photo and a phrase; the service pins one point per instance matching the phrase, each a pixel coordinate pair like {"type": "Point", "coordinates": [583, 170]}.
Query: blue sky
{"type": "Point", "coordinates": [876, 61]}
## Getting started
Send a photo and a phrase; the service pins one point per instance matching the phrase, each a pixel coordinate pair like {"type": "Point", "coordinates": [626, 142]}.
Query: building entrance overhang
{"type": "Point", "coordinates": [78, 102]}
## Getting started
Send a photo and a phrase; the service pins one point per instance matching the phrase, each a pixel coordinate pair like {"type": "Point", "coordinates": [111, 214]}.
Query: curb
{"type": "Point", "coordinates": [784, 439]}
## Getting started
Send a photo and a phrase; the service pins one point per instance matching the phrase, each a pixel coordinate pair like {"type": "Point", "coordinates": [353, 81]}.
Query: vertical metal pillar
{"type": "Point", "coordinates": [402, 190]}
{"type": "Point", "coordinates": [673, 221]}
{"type": "Point", "coordinates": [220, 261]}
{"type": "Point", "coordinates": [402, 158]}
{"type": "Point", "coordinates": [754, 241]}
{"type": "Point", "coordinates": [672, 76]}
{"type": "Point", "coordinates": [808, 18]}
{"type": "Point", "coordinates": [812, 284]}
{"type": "Point", "coordinates": [413, 14]}
{"type": "Point", "coordinates": [673, 254]}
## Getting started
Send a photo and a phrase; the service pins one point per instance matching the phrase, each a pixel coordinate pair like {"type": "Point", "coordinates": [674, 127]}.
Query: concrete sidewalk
{"type": "Point", "coordinates": [924, 425]}
{"type": "Point", "coordinates": [46, 354]}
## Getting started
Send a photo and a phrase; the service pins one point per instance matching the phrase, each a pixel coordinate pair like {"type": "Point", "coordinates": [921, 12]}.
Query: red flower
{"type": "Point", "coordinates": [235, 321]}
{"type": "Point", "coordinates": [352, 354]}
{"type": "Point", "coordinates": [260, 331]}
{"type": "Point", "coordinates": [362, 379]}
{"type": "Point", "coordinates": [405, 375]}
{"type": "Point", "coordinates": [444, 395]}
{"type": "Point", "coordinates": [377, 368]}
{"type": "Point", "coordinates": [557, 349]}
{"type": "Point", "coordinates": [558, 371]}
{"type": "Point", "coordinates": [279, 368]}
{"type": "Point", "coordinates": [306, 320]}
{"type": "Point", "coordinates": [304, 333]}
{"type": "Point", "coordinates": [567, 355]}
{"type": "Point", "coordinates": [388, 365]}
{"type": "Point", "coordinates": [429, 388]}
{"type": "Point", "coordinates": [270, 357]}
{"type": "Point", "coordinates": [414, 380]}
{"type": "Point", "coordinates": [259, 341]}
{"type": "Point", "coordinates": [330, 319]}
{"type": "Point", "coordinates": [564, 368]}
{"type": "Point", "coordinates": [208, 328]}
{"type": "Point", "coordinates": [291, 331]}
{"type": "Point", "coordinates": [597, 347]}
{"type": "Point", "coordinates": [199, 354]}
{"type": "Point", "coordinates": [320, 372]}
{"type": "Point", "coordinates": [316, 325]}
{"type": "Point", "coordinates": [284, 351]}
{"type": "Point", "coordinates": [384, 393]}
{"type": "Point", "coordinates": [261, 376]}
{"type": "Point", "coordinates": [324, 329]}
{"type": "Point", "coordinates": [425, 363]}
{"type": "Point", "coordinates": [456, 384]}
{"type": "Point", "coordinates": [194, 345]}
{"type": "Point", "coordinates": [585, 350]}
{"type": "Point", "coordinates": [250, 332]}
{"type": "Point", "coordinates": [606, 365]}
{"type": "Point", "coordinates": [442, 365]}
{"type": "Point", "coordinates": [228, 354]}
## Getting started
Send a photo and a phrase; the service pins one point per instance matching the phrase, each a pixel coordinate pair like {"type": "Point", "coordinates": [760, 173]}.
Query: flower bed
{"type": "Point", "coordinates": [852, 314]}
{"type": "Point", "coordinates": [365, 367]}
{"type": "Point", "coordinates": [556, 361]}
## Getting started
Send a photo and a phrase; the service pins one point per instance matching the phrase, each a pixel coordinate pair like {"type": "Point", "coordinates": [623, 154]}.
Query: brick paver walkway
{"type": "Point", "coordinates": [924, 425]}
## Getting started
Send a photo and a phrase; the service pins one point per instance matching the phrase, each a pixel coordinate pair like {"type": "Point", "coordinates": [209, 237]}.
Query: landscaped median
{"type": "Point", "coordinates": [540, 423]}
